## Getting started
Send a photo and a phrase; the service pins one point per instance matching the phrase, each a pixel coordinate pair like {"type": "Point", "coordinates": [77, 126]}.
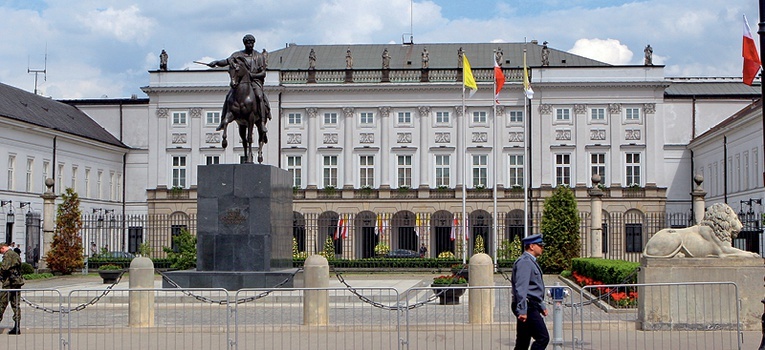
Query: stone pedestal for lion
{"type": "Point", "coordinates": [708, 304]}
{"type": "Point", "coordinates": [702, 267]}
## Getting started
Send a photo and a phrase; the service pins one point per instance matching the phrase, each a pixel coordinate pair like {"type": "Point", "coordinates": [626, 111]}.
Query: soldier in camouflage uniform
{"type": "Point", "coordinates": [10, 274]}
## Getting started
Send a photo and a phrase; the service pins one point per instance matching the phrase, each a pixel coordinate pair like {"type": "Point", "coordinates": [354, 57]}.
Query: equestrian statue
{"type": "Point", "coordinates": [246, 103]}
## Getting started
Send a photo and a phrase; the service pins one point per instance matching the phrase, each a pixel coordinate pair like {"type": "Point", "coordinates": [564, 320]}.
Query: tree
{"type": "Point", "coordinates": [184, 256]}
{"type": "Point", "coordinates": [329, 248]}
{"type": "Point", "coordinates": [560, 228]}
{"type": "Point", "coordinates": [66, 250]}
{"type": "Point", "coordinates": [478, 247]}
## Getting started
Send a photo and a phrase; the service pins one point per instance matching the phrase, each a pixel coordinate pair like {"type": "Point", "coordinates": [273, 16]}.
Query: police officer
{"type": "Point", "coordinates": [528, 296]}
{"type": "Point", "coordinates": [10, 275]}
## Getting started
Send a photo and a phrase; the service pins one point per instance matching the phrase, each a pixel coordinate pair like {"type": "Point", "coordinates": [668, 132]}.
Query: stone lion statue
{"type": "Point", "coordinates": [710, 239]}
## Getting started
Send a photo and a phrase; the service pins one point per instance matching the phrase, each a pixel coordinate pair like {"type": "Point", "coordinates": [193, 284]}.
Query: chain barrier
{"type": "Point", "coordinates": [379, 305]}
{"type": "Point", "coordinates": [205, 299]}
{"type": "Point", "coordinates": [603, 296]}
{"type": "Point", "coordinates": [78, 307]}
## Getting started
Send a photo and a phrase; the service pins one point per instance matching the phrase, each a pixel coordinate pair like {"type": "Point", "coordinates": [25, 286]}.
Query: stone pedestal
{"type": "Point", "coordinates": [701, 306]}
{"type": "Point", "coordinates": [244, 228]}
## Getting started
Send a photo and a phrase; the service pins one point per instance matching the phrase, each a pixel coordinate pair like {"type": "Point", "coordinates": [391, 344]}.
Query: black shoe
{"type": "Point", "coordinates": [16, 329]}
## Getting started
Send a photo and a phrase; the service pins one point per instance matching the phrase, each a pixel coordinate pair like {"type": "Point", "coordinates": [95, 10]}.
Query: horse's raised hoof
{"type": "Point", "coordinates": [224, 143]}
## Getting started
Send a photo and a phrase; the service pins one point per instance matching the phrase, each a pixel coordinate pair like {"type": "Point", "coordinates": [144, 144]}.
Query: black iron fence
{"type": "Point", "coordinates": [367, 234]}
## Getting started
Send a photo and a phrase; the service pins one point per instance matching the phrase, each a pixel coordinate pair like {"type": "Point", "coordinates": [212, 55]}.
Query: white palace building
{"type": "Point", "coordinates": [387, 142]}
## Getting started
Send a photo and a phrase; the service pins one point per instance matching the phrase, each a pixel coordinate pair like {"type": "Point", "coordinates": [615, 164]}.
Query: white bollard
{"type": "Point", "coordinates": [316, 306]}
{"type": "Point", "coordinates": [141, 310]}
{"type": "Point", "coordinates": [481, 301]}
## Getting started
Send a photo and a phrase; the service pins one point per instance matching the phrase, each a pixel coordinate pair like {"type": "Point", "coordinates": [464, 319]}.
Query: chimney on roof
{"type": "Point", "coordinates": [535, 42]}
{"type": "Point", "coordinates": [133, 97]}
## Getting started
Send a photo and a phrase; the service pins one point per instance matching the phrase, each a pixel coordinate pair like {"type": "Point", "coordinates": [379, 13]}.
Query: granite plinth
{"type": "Point", "coordinates": [706, 306]}
{"type": "Point", "coordinates": [244, 227]}
{"type": "Point", "coordinates": [230, 280]}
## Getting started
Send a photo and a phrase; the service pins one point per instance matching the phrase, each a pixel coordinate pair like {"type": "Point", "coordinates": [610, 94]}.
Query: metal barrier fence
{"type": "Point", "coordinates": [641, 316]}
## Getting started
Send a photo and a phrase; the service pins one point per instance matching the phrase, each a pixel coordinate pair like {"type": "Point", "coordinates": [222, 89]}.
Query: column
{"type": "Point", "coordinates": [49, 220]}
{"type": "Point", "coordinates": [311, 163]}
{"type": "Point", "coordinates": [348, 148]}
{"type": "Point", "coordinates": [384, 147]}
{"type": "Point", "coordinates": [424, 112]}
{"type": "Point", "coordinates": [596, 219]}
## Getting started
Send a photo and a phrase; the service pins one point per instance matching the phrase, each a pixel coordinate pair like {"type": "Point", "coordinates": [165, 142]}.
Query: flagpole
{"type": "Point", "coordinates": [494, 103]}
{"type": "Point", "coordinates": [464, 175]}
{"type": "Point", "coordinates": [525, 159]}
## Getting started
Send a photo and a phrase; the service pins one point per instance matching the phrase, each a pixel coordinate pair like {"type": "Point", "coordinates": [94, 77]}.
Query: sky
{"type": "Point", "coordinates": [105, 48]}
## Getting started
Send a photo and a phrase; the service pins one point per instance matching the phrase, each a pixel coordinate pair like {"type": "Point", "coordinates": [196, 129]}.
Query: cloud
{"type": "Point", "coordinates": [609, 50]}
{"type": "Point", "coordinates": [126, 25]}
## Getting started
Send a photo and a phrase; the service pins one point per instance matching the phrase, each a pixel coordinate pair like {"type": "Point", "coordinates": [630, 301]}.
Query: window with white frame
{"type": "Point", "coordinates": [330, 171]}
{"type": "Point", "coordinates": [480, 170]}
{"type": "Point", "coordinates": [479, 117]}
{"type": "Point", "coordinates": [598, 166]}
{"type": "Point", "coordinates": [442, 117]}
{"type": "Point", "coordinates": [212, 118]}
{"type": "Point", "coordinates": [404, 118]}
{"type": "Point", "coordinates": [746, 172]}
{"type": "Point", "coordinates": [11, 172]}
{"type": "Point", "coordinates": [30, 175]}
{"type": "Point", "coordinates": [366, 118]}
{"type": "Point", "coordinates": [296, 118]}
{"type": "Point", "coordinates": [598, 114]}
{"type": "Point", "coordinates": [563, 114]}
{"type": "Point", "coordinates": [179, 118]}
{"type": "Point", "coordinates": [179, 171]}
{"type": "Point", "coordinates": [515, 116]}
{"type": "Point", "coordinates": [112, 186]}
{"type": "Point", "coordinates": [295, 168]}
{"type": "Point", "coordinates": [404, 171]}
{"type": "Point", "coordinates": [632, 169]}
{"type": "Point", "coordinates": [74, 178]}
{"type": "Point", "coordinates": [45, 172]}
{"type": "Point", "coordinates": [212, 159]}
{"type": "Point", "coordinates": [99, 184]}
{"type": "Point", "coordinates": [87, 183]}
{"type": "Point", "coordinates": [563, 169]}
{"type": "Point", "coordinates": [118, 188]}
{"type": "Point", "coordinates": [515, 170]}
{"type": "Point", "coordinates": [632, 114]}
{"type": "Point", "coordinates": [60, 178]}
{"type": "Point", "coordinates": [443, 170]}
{"type": "Point", "coordinates": [367, 171]}
{"type": "Point", "coordinates": [330, 118]}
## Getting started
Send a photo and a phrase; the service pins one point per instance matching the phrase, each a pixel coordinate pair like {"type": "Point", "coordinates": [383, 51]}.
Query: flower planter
{"type": "Point", "coordinates": [110, 276]}
{"type": "Point", "coordinates": [461, 273]}
{"type": "Point", "coordinates": [449, 294]}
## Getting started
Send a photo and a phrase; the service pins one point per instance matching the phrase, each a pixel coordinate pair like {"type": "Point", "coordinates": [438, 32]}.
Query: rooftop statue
{"type": "Point", "coordinates": [709, 239]}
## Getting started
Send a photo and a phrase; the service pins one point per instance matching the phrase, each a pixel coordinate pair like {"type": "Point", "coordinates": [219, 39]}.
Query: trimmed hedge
{"type": "Point", "coordinates": [386, 263]}
{"type": "Point", "coordinates": [95, 263]}
{"type": "Point", "coordinates": [606, 271]}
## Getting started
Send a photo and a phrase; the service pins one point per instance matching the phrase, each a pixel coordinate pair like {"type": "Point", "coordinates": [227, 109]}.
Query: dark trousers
{"type": "Point", "coordinates": [534, 327]}
{"type": "Point", "coordinates": [13, 298]}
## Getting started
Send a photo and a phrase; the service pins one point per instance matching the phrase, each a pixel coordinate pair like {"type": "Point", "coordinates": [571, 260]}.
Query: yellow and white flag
{"type": "Point", "coordinates": [467, 76]}
{"type": "Point", "coordinates": [526, 85]}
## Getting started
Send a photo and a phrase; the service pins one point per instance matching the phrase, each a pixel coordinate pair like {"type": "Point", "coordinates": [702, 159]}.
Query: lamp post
{"type": "Point", "coordinates": [10, 218]}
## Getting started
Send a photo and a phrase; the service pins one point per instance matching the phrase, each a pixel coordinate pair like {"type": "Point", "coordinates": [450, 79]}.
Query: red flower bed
{"type": "Point", "coordinates": [621, 297]}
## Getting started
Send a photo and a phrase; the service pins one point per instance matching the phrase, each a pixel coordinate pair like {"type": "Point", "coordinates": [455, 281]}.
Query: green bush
{"type": "Point", "coordinates": [108, 267]}
{"type": "Point", "coordinates": [185, 257]}
{"type": "Point", "coordinates": [560, 227]}
{"type": "Point", "coordinates": [38, 276]}
{"type": "Point", "coordinates": [27, 269]}
{"type": "Point", "coordinates": [606, 271]}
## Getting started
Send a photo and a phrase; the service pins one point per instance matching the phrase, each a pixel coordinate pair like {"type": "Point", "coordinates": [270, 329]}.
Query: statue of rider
{"type": "Point", "coordinates": [255, 63]}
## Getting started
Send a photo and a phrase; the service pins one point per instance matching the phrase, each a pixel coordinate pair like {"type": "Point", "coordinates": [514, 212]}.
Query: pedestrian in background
{"type": "Point", "coordinates": [10, 274]}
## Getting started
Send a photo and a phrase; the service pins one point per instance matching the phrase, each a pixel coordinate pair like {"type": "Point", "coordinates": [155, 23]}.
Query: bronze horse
{"type": "Point", "coordinates": [245, 108]}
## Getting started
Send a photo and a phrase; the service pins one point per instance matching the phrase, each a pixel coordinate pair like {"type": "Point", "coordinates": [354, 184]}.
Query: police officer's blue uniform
{"type": "Point", "coordinates": [528, 299]}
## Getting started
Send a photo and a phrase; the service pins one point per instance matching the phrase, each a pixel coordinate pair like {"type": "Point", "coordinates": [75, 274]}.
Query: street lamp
{"type": "Point", "coordinates": [10, 218]}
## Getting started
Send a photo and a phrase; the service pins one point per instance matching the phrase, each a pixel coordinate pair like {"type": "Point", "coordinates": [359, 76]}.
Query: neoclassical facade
{"type": "Point", "coordinates": [389, 137]}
